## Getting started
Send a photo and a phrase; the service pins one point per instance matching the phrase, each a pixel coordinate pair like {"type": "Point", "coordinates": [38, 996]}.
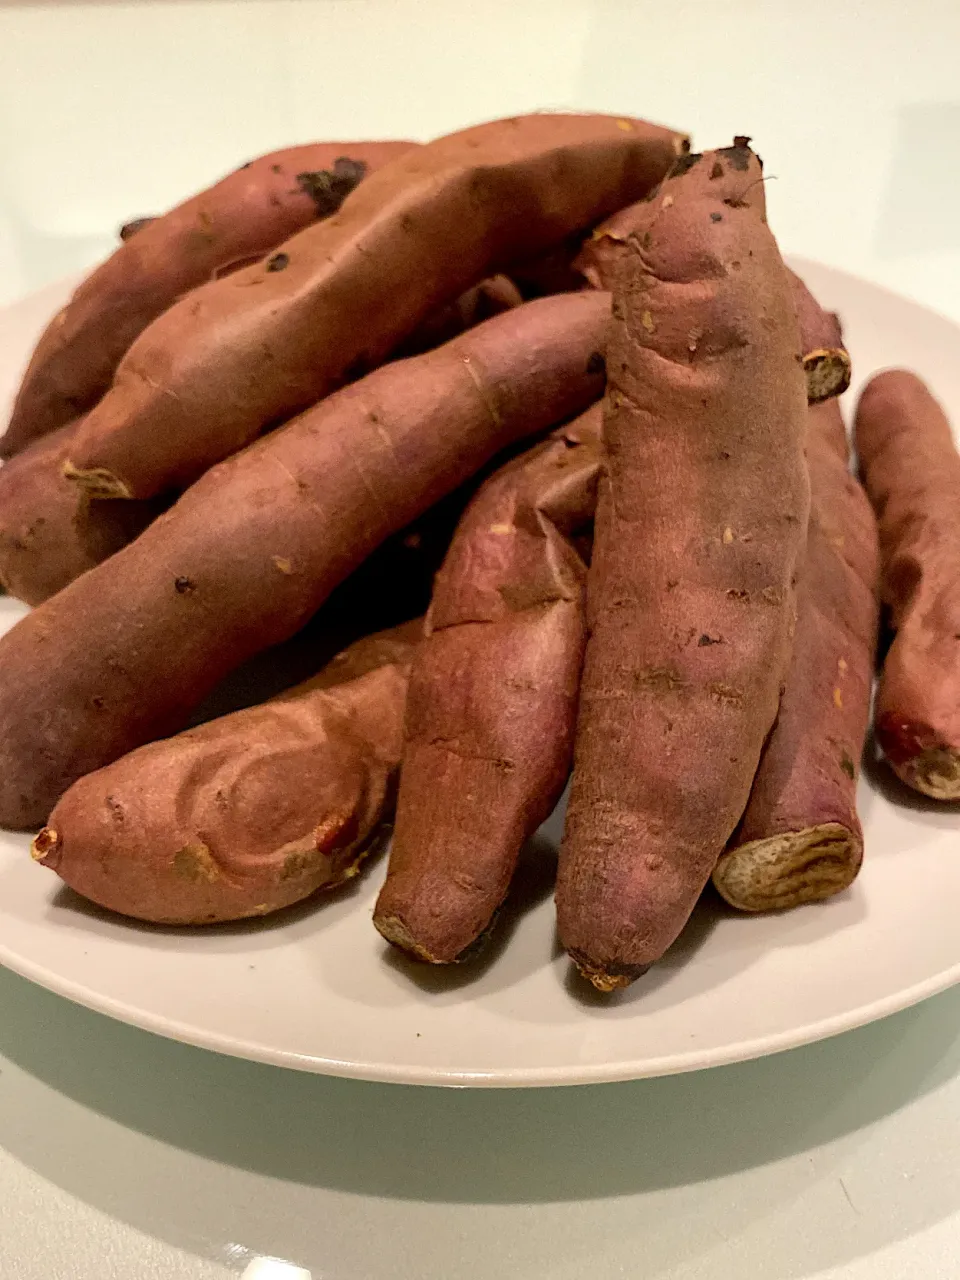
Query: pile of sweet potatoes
{"type": "Point", "coordinates": [559, 360]}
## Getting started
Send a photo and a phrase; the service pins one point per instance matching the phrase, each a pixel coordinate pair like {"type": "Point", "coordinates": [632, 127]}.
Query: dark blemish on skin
{"type": "Point", "coordinates": [647, 240]}
{"type": "Point", "coordinates": [183, 586]}
{"type": "Point", "coordinates": [716, 217]}
{"type": "Point", "coordinates": [848, 767]}
{"type": "Point", "coordinates": [97, 703]}
{"type": "Point", "coordinates": [133, 226]}
{"type": "Point", "coordinates": [408, 222]}
{"type": "Point", "coordinates": [278, 262]}
{"type": "Point", "coordinates": [685, 163]}
{"type": "Point", "coordinates": [739, 154]}
{"type": "Point", "coordinates": [672, 583]}
{"type": "Point", "coordinates": [247, 165]}
{"type": "Point", "coordinates": [707, 640]}
{"type": "Point", "coordinates": [596, 363]}
{"type": "Point", "coordinates": [276, 168]}
{"type": "Point", "coordinates": [722, 454]}
{"type": "Point", "coordinates": [328, 188]}
{"type": "Point", "coordinates": [726, 694]}
{"type": "Point", "coordinates": [738, 593]}
{"type": "Point", "coordinates": [717, 171]}
{"type": "Point", "coordinates": [734, 204]}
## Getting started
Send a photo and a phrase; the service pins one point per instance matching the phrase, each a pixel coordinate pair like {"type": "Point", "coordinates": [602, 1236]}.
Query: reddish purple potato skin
{"type": "Point", "coordinates": [249, 813]}
{"type": "Point", "coordinates": [243, 216]}
{"type": "Point", "coordinates": [911, 469]}
{"type": "Point", "coordinates": [252, 349]}
{"type": "Point", "coordinates": [493, 698]}
{"type": "Point", "coordinates": [250, 552]}
{"type": "Point", "coordinates": [691, 595]}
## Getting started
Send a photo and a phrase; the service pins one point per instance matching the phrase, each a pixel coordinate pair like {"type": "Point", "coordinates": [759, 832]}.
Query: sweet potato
{"type": "Point", "coordinates": [800, 839]}
{"type": "Point", "coordinates": [50, 532]}
{"type": "Point", "coordinates": [911, 470]}
{"type": "Point", "coordinates": [245, 352]}
{"type": "Point", "coordinates": [252, 550]}
{"type": "Point", "coordinates": [701, 522]}
{"type": "Point", "coordinates": [493, 698]}
{"type": "Point", "coordinates": [247, 213]}
{"type": "Point", "coordinates": [826, 361]}
{"type": "Point", "coordinates": [247, 814]}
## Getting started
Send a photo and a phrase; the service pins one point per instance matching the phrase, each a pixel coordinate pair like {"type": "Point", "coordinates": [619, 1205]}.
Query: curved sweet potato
{"type": "Point", "coordinates": [493, 698]}
{"type": "Point", "coordinates": [800, 839]}
{"type": "Point", "coordinates": [246, 213]}
{"type": "Point", "coordinates": [252, 550]}
{"type": "Point", "coordinates": [249, 813]}
{"type": "Point", "coordinates": [247, 351]}
{"type": "Point", "coordinates": [911, 470]}
{"type": "Point", "coordinates": [50, 532]}
{"type": "Point", "coordinates": [701, 523]}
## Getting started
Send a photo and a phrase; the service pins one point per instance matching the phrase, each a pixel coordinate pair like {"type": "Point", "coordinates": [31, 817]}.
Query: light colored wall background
{"type": "Point", "coordinates": [111, 110]}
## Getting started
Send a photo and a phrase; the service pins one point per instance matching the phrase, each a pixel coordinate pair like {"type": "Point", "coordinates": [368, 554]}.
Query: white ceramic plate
{"type": "Point", "coordinates": [317, 990]}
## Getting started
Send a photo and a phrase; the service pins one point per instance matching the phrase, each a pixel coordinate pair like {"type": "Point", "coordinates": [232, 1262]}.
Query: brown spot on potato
{"type": "Point", "coordinates": [328, 188]}
{"type": "Point", "coordinates": [195, 862]}
{"type": "Point", "coordinates": [659, 680]}
{"type": "Point", "coordinates": [279, 262]}
{"type": "Point", "coordinates": [726, 694]}
{"type": "Point", "coordinates": [597, 363]}
{"type": "Point", "coordinates": [184, 586]}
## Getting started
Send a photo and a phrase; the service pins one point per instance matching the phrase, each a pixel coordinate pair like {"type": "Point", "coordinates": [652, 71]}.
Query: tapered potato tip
{"type": "Point", "coordinates": [790, 869]}
{"type": "Point", "coordinates": [46, 848]}
{"type": "Point", "coordinates": [935, 773]}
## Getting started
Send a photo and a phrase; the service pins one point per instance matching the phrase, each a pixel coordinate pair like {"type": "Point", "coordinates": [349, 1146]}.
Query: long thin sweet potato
{"type": "Point", "coordinates": [50, 532]}
{"type": "Point", "coordinates": [800, 839]}
{"type": "Point", "coordinates": [701, 522]}
{"type": "Point", "coordinates": [826, 361]}
{"type": "Point", "coordinates": [247, 213]}
{"type": "Point", "coordinates": [252, 550]}
{"type": "Point", "coordinates": [249, 350]}
{"type": "Point", "coordinates": [247, 814]}
{"type": "Point", "coordinates": [493, 698]}
{"type": "Point", "coordinates": [911, 470]}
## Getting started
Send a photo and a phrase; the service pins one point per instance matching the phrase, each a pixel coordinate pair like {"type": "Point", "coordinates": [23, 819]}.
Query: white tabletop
{"type": "Point", "coordinates": [123, 1155]}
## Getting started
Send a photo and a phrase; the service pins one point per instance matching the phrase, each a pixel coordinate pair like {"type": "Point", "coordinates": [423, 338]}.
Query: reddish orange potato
{"type": "Point", "coordinates": [247, 814]}
{"type": "Point", "coordinates": [800, 839]}
{"type": "Point", "coordinates": [249, 350]}
{"type": "Point", "coordinates": [245, 214]}
{"type": "Point", "coordinates": [826, 361]}
{"type": "Point", "coordinates": [50, 532]}
{"type": "Point", "coordinates": [493, 698]}
{"type": "Point", "coordinates": [701, 524]}
{"type": "Point", "coordinates": [911, 470]}
{"type": "Point", "coordinates": [252, 550]}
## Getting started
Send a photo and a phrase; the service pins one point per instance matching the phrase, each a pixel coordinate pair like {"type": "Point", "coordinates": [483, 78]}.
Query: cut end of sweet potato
{"type": "Point", "coordinates": [46, 848]}
{"type": "Point", "coordinates": [97, 483]}
{"type": "Point", "coordinates": [788, 870]}
{"type": "Point", "coordinates": [935, 773]}
{"type": "Point", "coordinates": [828, 373]}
